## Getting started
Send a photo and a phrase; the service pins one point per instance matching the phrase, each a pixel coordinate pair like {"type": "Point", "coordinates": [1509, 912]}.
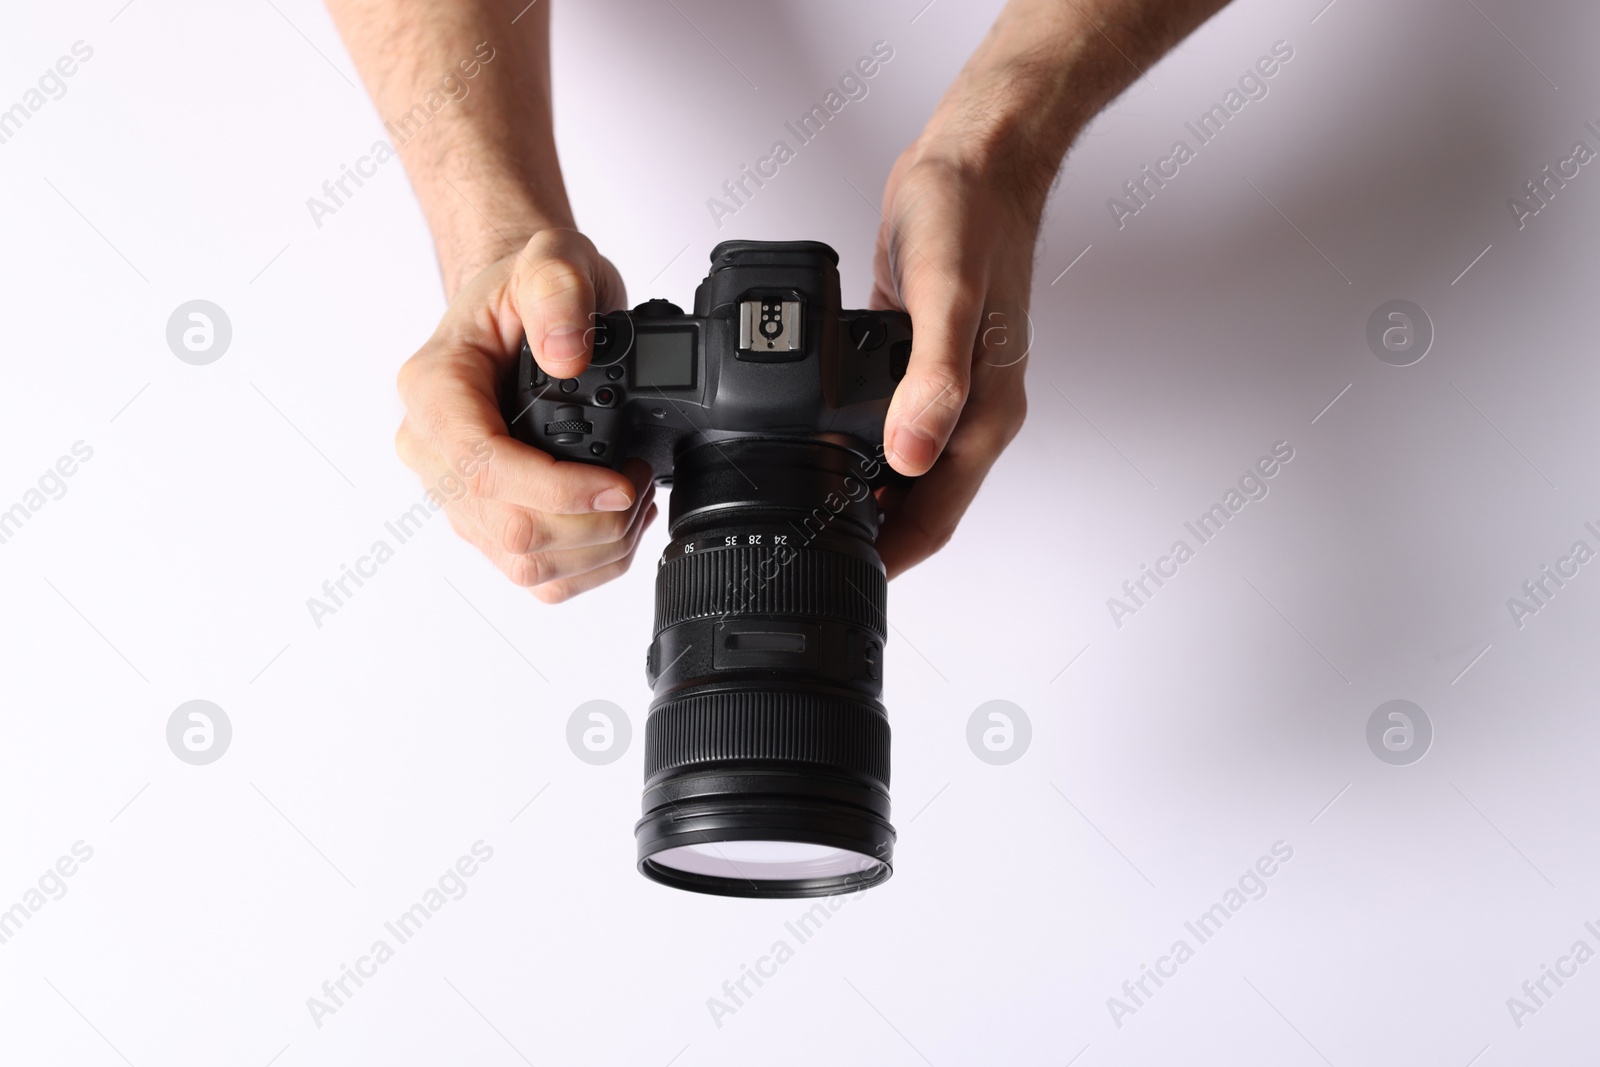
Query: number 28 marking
{"type": "Point", "coordinates": [732, 541]}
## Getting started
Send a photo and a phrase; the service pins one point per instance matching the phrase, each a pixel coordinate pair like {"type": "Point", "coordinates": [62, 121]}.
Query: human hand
{"type": "Point", "coordinates": [955, 251]}
{"type": "Point", "coordinates": [556, 527]}
{"type": "Point", "coordinates": [961, 216]}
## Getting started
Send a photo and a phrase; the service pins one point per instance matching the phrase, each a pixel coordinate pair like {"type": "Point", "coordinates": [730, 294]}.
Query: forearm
{"type": "Point", "coordinates": [465, 95]}
{"type": "Point", "coordinates": [1044, 70]}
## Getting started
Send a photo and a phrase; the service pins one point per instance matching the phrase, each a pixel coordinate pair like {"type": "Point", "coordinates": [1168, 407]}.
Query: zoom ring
{"type": "Point", "coordinates": [744, 725]}
{"type": "Point", "coordinates": [755, 580]}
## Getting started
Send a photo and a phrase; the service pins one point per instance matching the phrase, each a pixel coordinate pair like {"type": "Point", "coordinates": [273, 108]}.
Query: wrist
{"type": "Point", "coordinates": [1037, 79]}
{"type": "Point", "coordinates": [466, 246]}
{"type": "Point", "coordinates": [1007, 151]}
{"type": "Point", "coordinates": [481, 215]}
{"type": "Point", "coordinates": [1009, 129]}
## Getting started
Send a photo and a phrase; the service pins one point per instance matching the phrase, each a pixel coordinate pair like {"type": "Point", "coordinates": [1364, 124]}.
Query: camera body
{"type": "Point", "coordinates": [768, 351]}
{"type": "Point", "coordinates": [767, 744]}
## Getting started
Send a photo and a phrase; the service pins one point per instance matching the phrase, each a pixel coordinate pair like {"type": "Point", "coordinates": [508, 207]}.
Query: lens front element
{"type": "Point", "coordinates": [764, 861]}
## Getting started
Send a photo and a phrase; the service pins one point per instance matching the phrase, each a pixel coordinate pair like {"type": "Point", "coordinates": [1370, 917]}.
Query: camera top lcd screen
{"type": "Point", "coordinates": [664, 359]}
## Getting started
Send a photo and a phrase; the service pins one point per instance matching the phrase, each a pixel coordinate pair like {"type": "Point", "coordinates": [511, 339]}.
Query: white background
{"type": "Point", "coordinates": [1225, 716]}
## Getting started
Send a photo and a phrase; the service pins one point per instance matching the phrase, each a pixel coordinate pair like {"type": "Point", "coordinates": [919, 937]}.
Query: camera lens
{"type": "Point", "coordinates": [766, 861]}
{"type": "Point", "coordinates": [767, 747]}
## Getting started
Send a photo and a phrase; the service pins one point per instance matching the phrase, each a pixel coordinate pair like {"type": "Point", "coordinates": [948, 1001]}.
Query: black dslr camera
{"type": "Point", "coordinates": [766, 747]}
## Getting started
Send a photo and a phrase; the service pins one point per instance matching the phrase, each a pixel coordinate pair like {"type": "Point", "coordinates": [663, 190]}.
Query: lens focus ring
{"type": "Point", "coordinates": [758, 580]}
{"type": "Point", "coordinates": [749, 725]}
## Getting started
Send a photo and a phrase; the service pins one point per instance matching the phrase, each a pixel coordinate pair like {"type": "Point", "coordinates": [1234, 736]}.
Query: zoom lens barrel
{"type": "Point", "coordinates": [767, 745]}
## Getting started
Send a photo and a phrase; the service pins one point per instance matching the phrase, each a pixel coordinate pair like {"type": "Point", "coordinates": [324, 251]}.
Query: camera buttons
{"type": "Point", "coordinates": [569, 427]}
{"type": "Point", "coordinates": [868, 333]}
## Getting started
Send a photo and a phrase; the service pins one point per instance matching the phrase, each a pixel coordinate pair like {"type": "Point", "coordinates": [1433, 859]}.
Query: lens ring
{"type": "Point", "coordinates": [719, 820]}
{"type": "Point", "coordinates": [813, 582]}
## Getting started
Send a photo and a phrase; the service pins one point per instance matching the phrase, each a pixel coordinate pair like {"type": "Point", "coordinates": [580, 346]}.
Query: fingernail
{"type": "Point", "coordinates": [914, 447]}
{"type": "Point", "coordinates": [563, 343]}
{"type": "Point", "coordinates": [613, 500]}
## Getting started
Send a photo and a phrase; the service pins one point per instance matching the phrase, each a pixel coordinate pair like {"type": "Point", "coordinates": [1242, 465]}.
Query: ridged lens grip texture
{"type": "Point", "coordinates": [744, 725]}
{"type": "Point", "coordinates": [775, 580]}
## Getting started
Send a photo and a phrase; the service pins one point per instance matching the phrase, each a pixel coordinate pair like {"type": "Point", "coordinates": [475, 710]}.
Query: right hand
{"type": "Point", "coordinates": [556, 527]}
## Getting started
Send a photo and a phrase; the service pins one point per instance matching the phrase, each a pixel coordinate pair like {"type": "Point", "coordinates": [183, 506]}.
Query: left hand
{"type": "Point", "coordinates": [956, 252]}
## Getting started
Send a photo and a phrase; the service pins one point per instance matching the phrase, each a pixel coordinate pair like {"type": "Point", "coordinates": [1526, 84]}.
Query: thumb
{"type": "Point", "coordinates": [945, 313]}
{"type": "Point", "coordinates": [554, 289]}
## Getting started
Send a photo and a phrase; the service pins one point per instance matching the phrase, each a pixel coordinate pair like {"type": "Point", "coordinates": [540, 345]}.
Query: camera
{"type": "Point", "coordinates": [767, 743]}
